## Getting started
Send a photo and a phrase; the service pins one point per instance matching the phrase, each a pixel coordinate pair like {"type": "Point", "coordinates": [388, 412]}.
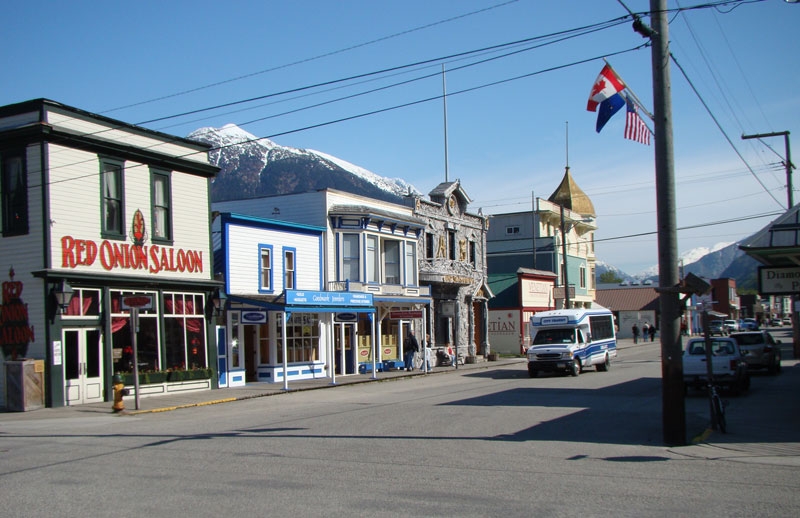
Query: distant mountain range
{"type": "Point", "coordinates": [251, 167]}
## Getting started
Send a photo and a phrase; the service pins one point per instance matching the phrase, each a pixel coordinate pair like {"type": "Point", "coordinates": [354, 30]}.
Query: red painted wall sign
{"type": "Point", "coordinates": [15, 332]}
{"type": "Point", "coordinates": [125, 256]}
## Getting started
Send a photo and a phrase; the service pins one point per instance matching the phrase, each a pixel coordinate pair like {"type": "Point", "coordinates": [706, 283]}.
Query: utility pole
{"type": "Point", "coordinates": [672, 388]}
{"type": "Point", "coordinates": [787, 163]}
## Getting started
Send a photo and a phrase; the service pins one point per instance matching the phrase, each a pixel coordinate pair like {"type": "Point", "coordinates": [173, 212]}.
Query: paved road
{"type": "Point", "coordinates": [485, 441]}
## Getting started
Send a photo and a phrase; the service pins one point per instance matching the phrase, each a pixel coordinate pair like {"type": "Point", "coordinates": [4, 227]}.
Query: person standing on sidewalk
{"type": "Point", "coordinates": [411, 347]}
{"type": "Point", "coordinates": [635, 331]}
{"type": "Point", "coordinates": [652, 333]}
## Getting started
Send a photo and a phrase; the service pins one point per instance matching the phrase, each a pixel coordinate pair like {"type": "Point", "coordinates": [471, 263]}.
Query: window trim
{"type": "Point", "coordinates": [23, 227]}
{"type": "Point", "coordinates": [120, 165]}
{"type": "Point", "coordinates": [261, 287]}
{"type": "Point", "coordinates": [167, 175]}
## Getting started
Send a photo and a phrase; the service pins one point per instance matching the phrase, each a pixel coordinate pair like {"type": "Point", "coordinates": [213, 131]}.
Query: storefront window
{"type": "Point", "coordinates": [184, 331]}
{"type": "Point", "coordinates": [263, 344]}
{"type": "Point", "coordinates": [84, 303]}
{"type": "Point", "coordinates": [302, 338]}
{"type": "Point", "coordinates": [147, 339]}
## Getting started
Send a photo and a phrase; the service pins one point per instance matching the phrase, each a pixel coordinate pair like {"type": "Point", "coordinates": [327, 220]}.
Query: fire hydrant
{"type": "Point", "coordinates": [119, 391]}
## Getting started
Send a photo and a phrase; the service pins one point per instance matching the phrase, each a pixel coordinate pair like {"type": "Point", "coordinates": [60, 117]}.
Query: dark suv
{"type": "Point", "coordinates": [760, 350]}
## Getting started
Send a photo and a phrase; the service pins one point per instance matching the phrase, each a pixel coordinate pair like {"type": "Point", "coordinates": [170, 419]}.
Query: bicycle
{"type": "Point", "coordinates": [717, 409]}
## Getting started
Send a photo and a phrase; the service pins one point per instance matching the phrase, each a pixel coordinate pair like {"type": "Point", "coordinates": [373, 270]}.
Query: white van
{"type": "Point", "coordinates": [570, 340]}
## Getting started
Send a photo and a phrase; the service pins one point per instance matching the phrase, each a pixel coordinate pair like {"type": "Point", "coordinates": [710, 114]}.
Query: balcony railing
{"type": "Point", "coordinates": [380, 289]}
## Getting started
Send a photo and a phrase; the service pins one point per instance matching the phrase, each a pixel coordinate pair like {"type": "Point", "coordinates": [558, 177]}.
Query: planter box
{"type": "Point", "coordinates": [188, 375]}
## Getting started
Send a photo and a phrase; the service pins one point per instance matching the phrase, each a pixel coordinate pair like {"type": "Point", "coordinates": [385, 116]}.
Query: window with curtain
{"type": "Point", "coordinates": [288, 269]}
{"type": "Point", "coordinates": [84, 303]}
{"type": "Point", "coordinates": [147, 339]}
{"type": "Point", "coordinates": [265, 267]}
{"type": "Point", "coordinates": [14, 187]}
{"type": "Point", "coordinates": [113, 204]}
{"type": "Point", "coordinates": [162, 203]}
{"type": "Point", "coordinates": [184, 331]}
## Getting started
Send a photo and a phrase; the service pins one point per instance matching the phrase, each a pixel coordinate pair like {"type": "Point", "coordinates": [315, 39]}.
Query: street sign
{"type": "Point", "coordinates": [779, 281]}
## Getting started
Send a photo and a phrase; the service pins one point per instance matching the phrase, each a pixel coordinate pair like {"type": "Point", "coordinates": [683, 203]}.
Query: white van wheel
{"type": "Point", "coordinates": [576, 367]}
{"type": "Point", "coordinates": [603, 367]}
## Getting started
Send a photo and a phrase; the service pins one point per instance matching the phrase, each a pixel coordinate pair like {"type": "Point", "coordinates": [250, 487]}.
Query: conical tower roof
{"type": "Point", "coordinates": [570, 196]}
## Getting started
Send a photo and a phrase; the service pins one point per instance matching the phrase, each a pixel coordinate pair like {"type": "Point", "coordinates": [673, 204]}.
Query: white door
{"type": "Point", "coordinates": [83, 365]}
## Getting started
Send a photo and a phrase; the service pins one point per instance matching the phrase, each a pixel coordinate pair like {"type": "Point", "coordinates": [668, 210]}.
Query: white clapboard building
{"type": "Point", "coordinates": [98, 217]}
{"type": "Point", "coordinates": [279, 321]}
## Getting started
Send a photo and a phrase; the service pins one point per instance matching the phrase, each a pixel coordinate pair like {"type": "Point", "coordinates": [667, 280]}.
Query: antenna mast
{"type": "Point", "coordinates": [444, 103]}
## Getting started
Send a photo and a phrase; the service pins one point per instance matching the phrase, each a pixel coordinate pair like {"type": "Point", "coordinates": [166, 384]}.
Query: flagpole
{"type": "Point", "coordinates": [633, 94]}
{"type": "Point", "coordinates": [444, 103]}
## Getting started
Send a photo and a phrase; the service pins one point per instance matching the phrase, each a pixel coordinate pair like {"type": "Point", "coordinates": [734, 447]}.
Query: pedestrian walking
{"type": "Point", "coordinates": [645, 331]}
{"type": "Point", "coordinates": [411, 348]}
{"type": "Point", "coordinates": [635, 330]}
{"type": "Point", "coordinates": [652, 333]}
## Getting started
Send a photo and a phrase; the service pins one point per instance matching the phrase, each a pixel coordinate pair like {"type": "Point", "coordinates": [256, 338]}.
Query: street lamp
{"type": "Point", "coordinates": [63, 294]}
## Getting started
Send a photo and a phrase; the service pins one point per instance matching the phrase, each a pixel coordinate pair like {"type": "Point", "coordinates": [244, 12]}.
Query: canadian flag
{"type": "Point", "coordinates": [607, 84]}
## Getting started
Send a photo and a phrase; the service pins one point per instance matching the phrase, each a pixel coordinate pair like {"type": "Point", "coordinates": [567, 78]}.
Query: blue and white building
{"type": "Point", "coordinates": [370, 251]}
{"type": "Point", "coordinates": [281, 323]}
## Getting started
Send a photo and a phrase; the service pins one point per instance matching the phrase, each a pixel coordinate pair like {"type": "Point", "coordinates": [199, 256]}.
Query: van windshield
{"type": "Point", "coordinates": [554, 336]}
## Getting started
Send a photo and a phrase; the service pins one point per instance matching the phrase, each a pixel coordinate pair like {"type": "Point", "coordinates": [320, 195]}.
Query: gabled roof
{"type": "Point", "coordinates": [570, 196]}
{"type": "Point", "coordinates": [777, 244]}
{"type": "Point", "coordinates": [445, 189]}
{"type": "Point", "coordinates": [628, 299]}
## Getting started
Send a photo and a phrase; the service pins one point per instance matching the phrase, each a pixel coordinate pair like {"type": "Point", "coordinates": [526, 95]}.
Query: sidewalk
{"type": "Point", "coordinates": [180, 400]}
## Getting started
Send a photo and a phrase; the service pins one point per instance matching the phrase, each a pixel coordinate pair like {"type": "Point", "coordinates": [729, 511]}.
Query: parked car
{"type": "Point", "coordinates": [787, 321]}
{"type": "Point", "coordinates": [776, 322]}
{"type": "Point", "coordinates": [728, 366]}
{"type": "Point", "coordinates": [760, 350]}
{"type": "Point", "coordinates": [749, 324]}
{"type": "Point", "coordinates": [717, 327]}
{"type": "Point", "coordinates": [731, 325]}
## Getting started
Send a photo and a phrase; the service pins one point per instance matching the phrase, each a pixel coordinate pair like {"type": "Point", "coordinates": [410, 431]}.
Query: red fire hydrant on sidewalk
{"type": "Point", "coordinates": [119, 391]}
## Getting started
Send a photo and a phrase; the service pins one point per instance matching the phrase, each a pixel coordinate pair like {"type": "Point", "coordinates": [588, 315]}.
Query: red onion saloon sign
{"type": "Point", "coordinates": [120, 255]}
{"type": "Point", "coordinates": [114, 255]}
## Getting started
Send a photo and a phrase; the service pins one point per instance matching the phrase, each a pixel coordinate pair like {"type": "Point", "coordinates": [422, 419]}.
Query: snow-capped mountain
{"type": "Point", "coordinates": [253, 167]}
{"type": "Point", "coordinates": [686, 258]}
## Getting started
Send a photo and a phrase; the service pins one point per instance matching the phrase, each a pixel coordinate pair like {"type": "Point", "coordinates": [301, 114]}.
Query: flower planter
{"type": "Point", "coordinates": [191, 374]}
{"type": "Point", "coordinates": [151, 378]}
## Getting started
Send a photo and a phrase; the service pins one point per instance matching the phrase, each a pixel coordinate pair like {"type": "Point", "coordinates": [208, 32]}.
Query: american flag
{"type": "Point", "coordinates": [635, 128]}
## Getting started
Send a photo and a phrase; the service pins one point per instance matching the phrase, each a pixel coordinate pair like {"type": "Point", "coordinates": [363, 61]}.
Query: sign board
{"type": "Point", "coordinates": [346, 317]}
{"type": "Point", "coordinates": [137, 301]}
{"type": "Point", "coordinates": [254, 317]}
{"type": "Point", "coordinates": [405, 315]}
{"type": "Point", "coordinates": [779, 280]}
{"type": "Point", "coordinates": [328, 298]}
{"type": "Point", "coordinates": [558, 292]}
{"type": "Point", "coordinates": [448, 308]}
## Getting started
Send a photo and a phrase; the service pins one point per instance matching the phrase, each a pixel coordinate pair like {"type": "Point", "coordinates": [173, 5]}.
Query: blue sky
{"type": "Point", "coordinates": [148, 60]}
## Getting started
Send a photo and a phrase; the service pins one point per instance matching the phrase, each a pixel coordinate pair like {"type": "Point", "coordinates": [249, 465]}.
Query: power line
{"type": "Point", "coordinates": [314, 58]}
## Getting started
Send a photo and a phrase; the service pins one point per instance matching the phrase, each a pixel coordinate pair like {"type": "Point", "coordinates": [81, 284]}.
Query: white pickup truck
{"type": "Point", "coordinates": [728, 366]}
